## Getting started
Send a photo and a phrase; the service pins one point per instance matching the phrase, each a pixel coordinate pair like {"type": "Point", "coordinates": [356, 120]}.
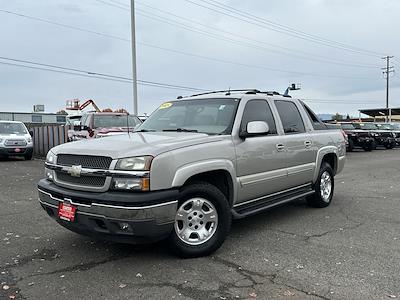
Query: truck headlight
{"type": "Point", "coordinates": [131, 184]}
{"type": "Point", "coordinates": [51, 157]}
{"type": "Point", "coordinates": [139, 163]}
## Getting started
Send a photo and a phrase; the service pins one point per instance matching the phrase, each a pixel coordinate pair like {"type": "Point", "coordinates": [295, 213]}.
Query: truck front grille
{"type": "Point", "coordinates": [86, 161]}
{"type": "Point", "coordinates": [90, 181]}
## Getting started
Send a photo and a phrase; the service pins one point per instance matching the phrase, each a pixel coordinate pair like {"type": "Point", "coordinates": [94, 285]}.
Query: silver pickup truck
{"type": "Point", "coordinates": [191, 167]}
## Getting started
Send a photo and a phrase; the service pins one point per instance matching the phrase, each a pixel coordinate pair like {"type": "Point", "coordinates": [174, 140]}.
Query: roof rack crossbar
{"type": "Point", "coordinates": [227, 91]}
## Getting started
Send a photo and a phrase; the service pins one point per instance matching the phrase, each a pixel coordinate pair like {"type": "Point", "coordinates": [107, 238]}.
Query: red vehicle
{"type": "Point", "coordinates": [102, 124]}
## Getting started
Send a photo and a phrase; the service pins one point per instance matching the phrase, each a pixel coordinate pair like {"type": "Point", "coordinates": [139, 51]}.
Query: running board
{"type": "Point", "coordinates": [253, 207]}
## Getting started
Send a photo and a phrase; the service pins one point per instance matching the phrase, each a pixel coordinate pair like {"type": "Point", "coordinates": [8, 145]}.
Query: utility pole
{"type": "Point", "coordinates": [386, 71]}
{"type": "Point", "coordinates": [134, 72]}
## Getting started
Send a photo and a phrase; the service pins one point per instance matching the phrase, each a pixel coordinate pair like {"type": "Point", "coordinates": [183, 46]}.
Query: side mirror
{"type": "Point", "coordinates": [31, 133]}
{"type": "Point", "coordinates": [255, 128]}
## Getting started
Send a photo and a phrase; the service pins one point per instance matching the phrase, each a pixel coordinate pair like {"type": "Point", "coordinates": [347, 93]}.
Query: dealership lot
{"type": "Point", "coordinates": [350, 250]}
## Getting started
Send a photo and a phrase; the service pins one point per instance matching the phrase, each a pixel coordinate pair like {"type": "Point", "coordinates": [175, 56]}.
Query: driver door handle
{"type": "Point", "coordinates": [280, 147]}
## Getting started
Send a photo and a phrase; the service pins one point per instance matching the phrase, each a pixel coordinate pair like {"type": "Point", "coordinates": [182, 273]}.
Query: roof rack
{"type": "Point", "coordinates": [247, 91]}
{"type": "Point", "coordinates": [227, 92]}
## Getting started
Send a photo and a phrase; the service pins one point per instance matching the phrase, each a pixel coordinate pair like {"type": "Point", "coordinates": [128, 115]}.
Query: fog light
{"type": "Point", "coordinates": [49, 174]}
{"type": "Point", "coordinates": [124, 226]}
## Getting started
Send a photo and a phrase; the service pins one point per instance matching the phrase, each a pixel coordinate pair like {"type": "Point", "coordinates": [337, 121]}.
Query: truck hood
{"type": "Point", "coordinates": [135, 144]}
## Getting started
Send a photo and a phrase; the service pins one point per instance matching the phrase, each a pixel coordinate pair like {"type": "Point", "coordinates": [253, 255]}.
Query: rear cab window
{"type": "Point", "coordinates": [292, 121]}
{"type": "Point", "coordinates": [316, 123]}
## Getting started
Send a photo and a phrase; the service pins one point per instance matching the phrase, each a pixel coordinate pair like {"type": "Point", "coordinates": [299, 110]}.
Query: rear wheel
{"type": "Point", "coordinates": [324, 187]}
{"type": "Point", "coordinates": [202, 221]}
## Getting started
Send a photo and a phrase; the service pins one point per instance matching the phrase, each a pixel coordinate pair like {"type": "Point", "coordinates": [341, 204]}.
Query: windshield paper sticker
{"type": "Point", "coordinates": [165, 105]}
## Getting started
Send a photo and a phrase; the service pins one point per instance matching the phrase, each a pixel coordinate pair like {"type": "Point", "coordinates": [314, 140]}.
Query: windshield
{"type": "Point", "coordinates": [396, 126]}
{"type": "Point", "coordinates": [12, 128]}
{"type": "Point", "coordinates": [368, 126]}
{"type": "Point", "coordinates": [73, 120]}
{"type": "Point", "coordinates": [211, 116]}
{"type": "Point", "coordinates": [348, 126]}
{"type": "Point", "coordinates": [109, 121]}
{"type": "Point", "coordinates": [385, 126]}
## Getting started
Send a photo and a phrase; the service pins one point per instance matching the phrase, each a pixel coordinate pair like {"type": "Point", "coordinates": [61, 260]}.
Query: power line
{"type": "Point", "coordinates": [173, 22]}
{"type": "Point", "coordinates": [252, 66]}
{"type": "Point", "coordinates": [290, 29]}
{"type": "Point", "coordinates": [90, 74]}
{"type": "Point", "coordinates": [181, 52]}
{"type": "Point", "coordinates": [313, 56]}
{"type": "Point", "coordinates": [63, 25]}
{"type": "Point", "coordinates": [266, 24]}
{"type": "Point", "coordinates": [238, 42]}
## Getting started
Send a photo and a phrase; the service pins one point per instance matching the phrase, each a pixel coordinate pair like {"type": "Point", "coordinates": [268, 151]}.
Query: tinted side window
{"type": "Point", "coordinates": [258, 110]}
{"type": "Point", "coordinates": [290, 117]}
{"type": "Point", "coordinates": [316, 122]}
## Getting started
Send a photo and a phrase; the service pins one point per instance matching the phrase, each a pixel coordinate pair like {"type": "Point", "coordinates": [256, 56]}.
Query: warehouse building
{"type": "Point", "coordinates": [31, 119]}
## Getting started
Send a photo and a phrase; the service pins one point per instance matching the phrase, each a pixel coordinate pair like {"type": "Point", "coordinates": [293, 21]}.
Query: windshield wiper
{"type": "Point", "coordinates": [181, 130]}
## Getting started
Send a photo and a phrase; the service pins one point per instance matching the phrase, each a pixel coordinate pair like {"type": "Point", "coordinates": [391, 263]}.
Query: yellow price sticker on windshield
{"type": "Point", "coordinates": [165, 105]}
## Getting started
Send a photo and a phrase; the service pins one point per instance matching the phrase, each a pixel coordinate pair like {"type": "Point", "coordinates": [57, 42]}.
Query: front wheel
{"type": "Point", "coordinates": [202, 221]}
{"type": "Point", "coordinates": [28, 156]}
{"type": "Point", "coordinates": [350, 147]}
{"type": "Point", "coordinates": [324, 187]}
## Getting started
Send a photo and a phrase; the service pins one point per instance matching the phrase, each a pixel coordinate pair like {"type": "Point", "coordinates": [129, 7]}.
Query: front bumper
{"type": "Point", "coordinates": [117, 216]}
{"type": "Point", "coordinates": [384, 140]}
{"type": "Point", "coordinates": [11, 151]}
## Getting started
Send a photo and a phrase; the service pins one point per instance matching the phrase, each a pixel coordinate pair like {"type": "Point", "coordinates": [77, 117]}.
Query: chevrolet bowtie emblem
{"type": "Point", "coordinates": [75, 171]}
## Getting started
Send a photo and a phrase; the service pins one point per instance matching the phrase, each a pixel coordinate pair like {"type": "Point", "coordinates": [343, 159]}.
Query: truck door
{"type": "Point", "coordinates": [261, 168]}
{"type": "Point", "coordinates": [298, 143]}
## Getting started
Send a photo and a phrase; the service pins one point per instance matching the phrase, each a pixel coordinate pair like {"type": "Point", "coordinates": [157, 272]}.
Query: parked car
{"type": "Point", "coordinates": [385, 138]}
{"type": "Point", "coordinates": [191, 167]}
{"type": "Point", "coordinates": [357, 137]}
{"type": "Point", "coordinates": [101, 124]}
{"type": "Point", "coordinates": [393, 128]}
{"type": "Point", "coordinates": [15, 140]}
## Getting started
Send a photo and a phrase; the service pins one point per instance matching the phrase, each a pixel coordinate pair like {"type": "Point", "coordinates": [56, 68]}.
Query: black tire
{"type": "Point", "coordinates": [28, 156]}
{"type": "Point", "coordinates": [374, 145]}
{"type": "Point", "coordinates": [217, 198]}
{"type": "Point", "coordinates": [389, 146]}
{"type": "Point", "coordinates": [316, 199]}
{"type": "Point", "coordinates": [350, 147]}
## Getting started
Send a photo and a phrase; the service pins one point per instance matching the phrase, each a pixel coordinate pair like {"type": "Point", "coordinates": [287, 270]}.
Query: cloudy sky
{"type": "Point", "coordinates": [332, 47]}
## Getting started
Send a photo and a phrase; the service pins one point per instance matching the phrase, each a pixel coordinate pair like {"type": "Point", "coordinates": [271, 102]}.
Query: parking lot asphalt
{"type": "Point", "coordinates": [350, 250]}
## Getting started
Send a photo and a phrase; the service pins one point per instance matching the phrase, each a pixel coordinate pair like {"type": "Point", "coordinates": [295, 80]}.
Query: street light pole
{"type": "Point", "coordinates": [134, 72]}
